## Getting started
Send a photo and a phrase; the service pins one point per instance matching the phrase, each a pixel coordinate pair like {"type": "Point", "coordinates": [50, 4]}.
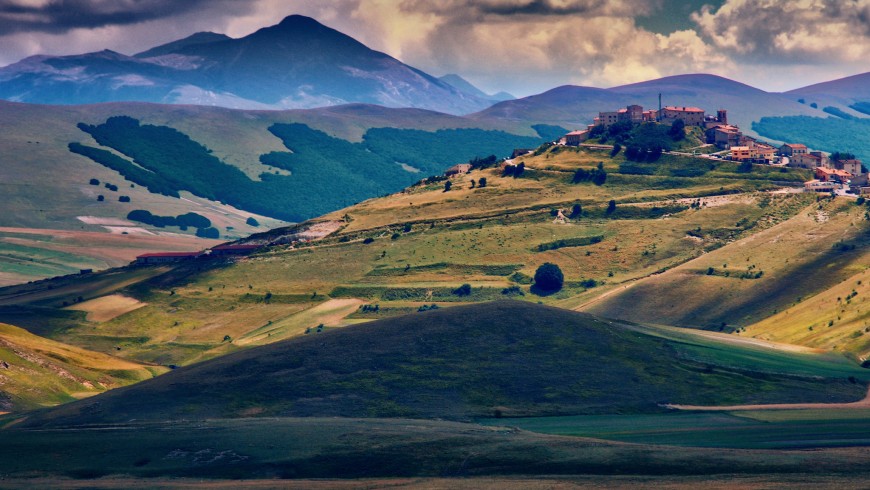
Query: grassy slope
{"type": "Point", "coordinates": [46, 187]}
{"type": "Point", "coordinates": [799, 258]}
{"type": "Point", "coordinates": [508, 357]}
{"type": "Point", "coordinates": [476, 236]}
{"type": "Point", "coordinates": [288, 449]}
{"type": "Point", "coordinates": [795, 429]}
{"type": "Point", "coordinates": [35, 371]}
{"type": "Point", "coordinates": [834, 318]}
{"type": "Point", "coordinates": [52, 197]}
{"type": "Point", "coordinates": [27, 254]}
{"type": "Point", "coordinates": [349, 448]}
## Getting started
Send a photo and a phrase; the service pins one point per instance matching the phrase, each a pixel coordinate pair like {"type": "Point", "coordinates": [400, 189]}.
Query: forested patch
{"type": "Point", "coordinates": [827, 134]}
{"type": "Point", "coordinates": [326, 173]}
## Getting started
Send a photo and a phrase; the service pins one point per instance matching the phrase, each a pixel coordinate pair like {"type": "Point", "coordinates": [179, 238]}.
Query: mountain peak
{"type": "Point", "coordinates": [297, 20]}
{"type": "Point", "coordinates": [198, 38]}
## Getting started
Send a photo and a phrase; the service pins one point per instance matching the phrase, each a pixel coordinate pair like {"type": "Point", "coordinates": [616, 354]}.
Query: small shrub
{"type": "Point", "coordinates": [576, 211]}
{"type": "Point", "coordinates": [549, 277]}
{"type": "Point", "coordinates": [464, 290]}
{"type": "Point", "coordinates": [210, 232]}
{"type": "Point", "coordinates": [368, 240]}
{"type": "Point", "coordinates": [252, 222]}
{"type": "Point", "coordinates": [124, 199]}
{"type": "Point", "coordinates": [94, 182]}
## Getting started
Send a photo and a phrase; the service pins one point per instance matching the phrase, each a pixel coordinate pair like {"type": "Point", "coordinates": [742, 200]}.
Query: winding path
{"type": "Point", "coordinates": [864, 403]}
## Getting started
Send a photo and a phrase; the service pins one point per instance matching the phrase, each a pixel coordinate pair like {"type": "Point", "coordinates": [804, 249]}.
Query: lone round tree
{"type": "Point", "coordinates": [549, 277]}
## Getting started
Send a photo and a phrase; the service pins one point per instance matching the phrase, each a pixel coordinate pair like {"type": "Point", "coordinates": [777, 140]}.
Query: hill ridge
{"type": "Point", "coordinates": [508, 358]}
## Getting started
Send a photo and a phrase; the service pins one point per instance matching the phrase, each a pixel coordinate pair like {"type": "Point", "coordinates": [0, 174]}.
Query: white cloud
{"type": "Point", "coordinates": [527, 46]}
{"type": "Point", "coordinates": [790, 31]}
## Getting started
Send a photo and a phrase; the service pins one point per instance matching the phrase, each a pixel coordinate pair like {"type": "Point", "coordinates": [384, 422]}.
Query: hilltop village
{"type": "Point", "coordinates": [837, 172]}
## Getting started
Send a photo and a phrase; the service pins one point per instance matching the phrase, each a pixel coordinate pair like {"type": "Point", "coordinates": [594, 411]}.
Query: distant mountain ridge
{"type": "Point", "coordinates": [575, 106]}
{"type": "Point", "coordinates": [467, 87]}
{"type": "Point", "coordinates": [844, 97]}
{"type": "Point", "coordinates": [296, 64]}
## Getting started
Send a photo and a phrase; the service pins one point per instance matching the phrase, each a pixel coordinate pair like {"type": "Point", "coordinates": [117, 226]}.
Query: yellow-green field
{"type": "Point", "coordinates": [36, 372]}
{"type": "Point", "coordinates": [414, 248]}
{"type": "Point", "coordinates": [774, 284]}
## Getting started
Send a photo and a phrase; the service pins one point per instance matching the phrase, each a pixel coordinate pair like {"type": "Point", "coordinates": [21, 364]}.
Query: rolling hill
{"type": "Point", "coordinates": [507, 358]}
{"type": "Point", "coordinates": [298, 63]}
{"type": "Point", "coordinates": [574, 107]}
{"type": "Point", "coordinates": [60, 195]}
{"type": "Point", "coordinates": [723, 290]}
{"type": "Point", "coordinates": [37, 372]}
{"type": "Point", "coordinates": [850, 94]}
{"type": "Point", "coordinates": [416, 247]}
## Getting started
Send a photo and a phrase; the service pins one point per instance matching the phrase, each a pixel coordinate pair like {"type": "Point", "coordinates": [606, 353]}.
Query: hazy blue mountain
{"type": "Point", "coordinates": [174, 46]}
{"type": "Point", "coordinates": [850, 94]}
{"type": "Point", "coordinates": [467, 87]}
{"type": "Point", "coordinates": [298, 63]}
{"type": "Point", "coordinates": [573, 106]}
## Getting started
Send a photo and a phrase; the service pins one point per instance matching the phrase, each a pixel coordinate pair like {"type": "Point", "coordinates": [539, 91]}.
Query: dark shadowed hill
{"type": "Point", "coordinates": [505, 358]}
{"type": "Point", "coordinates": [576, 106]}
{"type": "Point", "coordinates": [298, 63]}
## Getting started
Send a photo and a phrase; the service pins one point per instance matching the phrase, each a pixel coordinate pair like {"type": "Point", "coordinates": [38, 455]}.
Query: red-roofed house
{"type": "Point", "coordinates": [691, 116]}
{"type": "Point", "coordinates": [574, 138]}
{"type": "Point", "coordinates": [852, 166]}
{"type": "Point", "coordinates": [460, 168]}
{"type": "Point", "coordinates": [825, 174]}
{"type": "Point", "coordinates": [724, 136]}
{"type": "Point", "coordinates": [792, 149]}
{"type": "Point", "coordinates": [810, 160]}
{"type": "Point", "coordinates": [166, 257]}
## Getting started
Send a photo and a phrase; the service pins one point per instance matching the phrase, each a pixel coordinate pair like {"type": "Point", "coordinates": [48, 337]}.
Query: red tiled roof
{"type": "Point", "coordinates": [795, 145]}
{"type": "Point", "coordinates": [577, 133]}
{"type": "Point", "coordinates": [833, 171]}
{"type": "Point", "coordinates": [684, 109]}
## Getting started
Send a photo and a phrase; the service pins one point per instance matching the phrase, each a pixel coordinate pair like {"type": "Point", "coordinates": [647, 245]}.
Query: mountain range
{"type": "Point", "coordinates": [301, 63]}
{"type": "Point", "coordinates": [575, 106]}
{"type": "Point", "coordinates": [298, 63]}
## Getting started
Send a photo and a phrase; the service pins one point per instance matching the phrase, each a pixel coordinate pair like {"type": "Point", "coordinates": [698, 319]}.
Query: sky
{"type": "Point", "coordinates": [520, 46]}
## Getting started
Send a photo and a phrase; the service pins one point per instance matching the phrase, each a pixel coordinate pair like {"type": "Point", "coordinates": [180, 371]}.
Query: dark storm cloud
{"type": "Point", "coordinates": [477, 9]}
{"type": "Point", "coordinates": [537, 7]}
{"type": "Point", "coordinates": [60, 16]}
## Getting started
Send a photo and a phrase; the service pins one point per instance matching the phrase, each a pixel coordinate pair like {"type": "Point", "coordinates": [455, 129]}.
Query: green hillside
{"type": "Point", "coordinates": [411, 249]}
{"type": "Point", "coordinates": [37, 372]}
{"type": "Point", "coordinates": [64, 194]}
{"type": "Point", "coordinates": [505, 358]}
{"type": "Point", "coordinates": [756, 277]}
{"type": "Point", "coordinates": [830, 134]}
{"type": "Point", "coordinates": [284, 452]}
{"type": "Point", "coordinates": [325, 173]}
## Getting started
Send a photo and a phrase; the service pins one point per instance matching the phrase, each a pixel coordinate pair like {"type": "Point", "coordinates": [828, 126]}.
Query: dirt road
{"type": "Point", "coordinates": [865, 403]}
